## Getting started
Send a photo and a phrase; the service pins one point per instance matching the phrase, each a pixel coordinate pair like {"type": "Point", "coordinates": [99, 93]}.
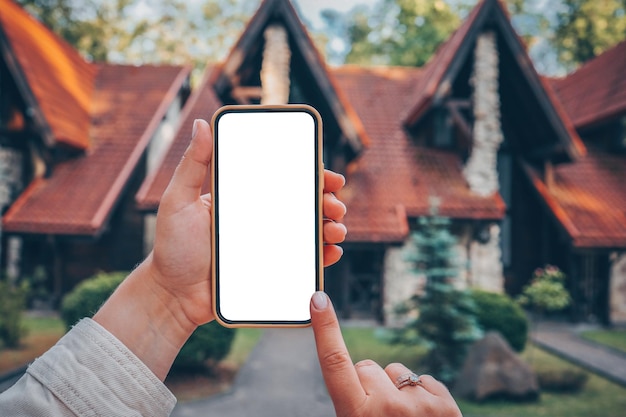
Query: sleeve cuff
{"type": "Point", "coordinates": [93, 373]}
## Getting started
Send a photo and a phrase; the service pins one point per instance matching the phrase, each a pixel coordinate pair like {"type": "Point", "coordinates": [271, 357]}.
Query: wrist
{"type": "Point", "coordinates": [147, 319]}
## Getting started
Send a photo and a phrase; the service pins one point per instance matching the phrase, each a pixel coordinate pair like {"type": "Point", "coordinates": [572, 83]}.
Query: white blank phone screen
{"type": "Point", "coordinates": [266, 215]}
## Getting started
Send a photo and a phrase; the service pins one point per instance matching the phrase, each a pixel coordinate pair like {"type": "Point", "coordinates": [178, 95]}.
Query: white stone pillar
{"type": "Point", "coordinates": [11, 184]}
{"type": "Point", "coordinates": [400, 280]}
{"type": "Point", "coordinates": [481, 170]}
{"type": "Point", "coordinates": [486, 265]}
{"type": "Point", "coordinates": [617, 289]}
{"type": "Point", "coordinates": [275, 69]}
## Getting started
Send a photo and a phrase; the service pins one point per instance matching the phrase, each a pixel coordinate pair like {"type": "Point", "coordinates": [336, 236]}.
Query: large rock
{"type": "Point", "coordinates": [493, 369]}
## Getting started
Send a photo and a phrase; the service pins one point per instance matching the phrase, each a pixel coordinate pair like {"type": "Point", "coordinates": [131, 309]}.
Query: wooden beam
{"type": "Point", "coordinates": [459, 103]}
{"type": "Point", "coordinates": [548, 174]}
{"type": "Point", "coordinates": [460, 122]}
{"type": "Point", "coordinates": [245, 94]}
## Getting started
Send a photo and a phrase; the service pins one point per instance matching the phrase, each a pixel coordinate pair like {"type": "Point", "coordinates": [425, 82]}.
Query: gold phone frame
{"type": "Point", "coordinates": [319, 209]}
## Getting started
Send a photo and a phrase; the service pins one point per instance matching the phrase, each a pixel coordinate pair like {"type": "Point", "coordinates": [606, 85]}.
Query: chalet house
{"type": "Point", "coordinates": [76, 141]}
{"type": "Point", "coordinates": [530, 170]}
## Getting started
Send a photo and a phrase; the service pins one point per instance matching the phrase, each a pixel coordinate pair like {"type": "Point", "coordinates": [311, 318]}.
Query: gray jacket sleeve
{"type": "Point", "coordinates": [88, 373]}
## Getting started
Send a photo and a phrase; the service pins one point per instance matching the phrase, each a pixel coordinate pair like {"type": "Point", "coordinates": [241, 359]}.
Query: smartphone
{"type": "Point", "coordinates": [267, 184]}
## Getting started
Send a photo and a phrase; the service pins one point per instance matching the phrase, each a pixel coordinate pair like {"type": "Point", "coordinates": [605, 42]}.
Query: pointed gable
{"type": "Point", "coordinates": [587, 197]}
{"type": "Point", "coordinates": [393, 180]}
{"type": "Point", "coordinates": [315, 84]}
{"type": "Point", "coordinates": [55, 81]}
{"type": "Point", "coordinates": [524, 94]}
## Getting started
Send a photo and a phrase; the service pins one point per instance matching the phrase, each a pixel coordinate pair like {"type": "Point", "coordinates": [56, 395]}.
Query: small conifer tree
{"type": "Point", "coordinates": [443, 315]}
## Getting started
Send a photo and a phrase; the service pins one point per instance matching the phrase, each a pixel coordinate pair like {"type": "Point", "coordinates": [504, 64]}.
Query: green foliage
{"type": "Point", "coordinates": [209, 344]}
{"type": "Point", "coordinates": [36, 282]}
{"type": "Point", "coordinates": [134, 31]}
{"type": "Point", "coordinates": [87, 297]}
{"type": "Point", "coordinates": [501, 313]}
{"type": "Point", "coordinates": [586, 28]}
{"type": "Point", "coordinates": [396, 32]}
{"type": "Point", "coordinates": [445, 316]}
{"type": "Point", "coordinates": [12, 304]}
{"type": "Point", "coordinates": [546, 291]}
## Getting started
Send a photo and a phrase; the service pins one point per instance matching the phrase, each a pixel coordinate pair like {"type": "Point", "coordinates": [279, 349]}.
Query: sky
{"type": "Point", "coordinates": [311, 9]}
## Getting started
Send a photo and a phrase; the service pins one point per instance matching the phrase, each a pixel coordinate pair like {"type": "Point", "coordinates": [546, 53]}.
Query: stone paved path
{"type": "Point", "coordinates": [563, 340]}
{"type": "Point", "coordinates": [281, 378]}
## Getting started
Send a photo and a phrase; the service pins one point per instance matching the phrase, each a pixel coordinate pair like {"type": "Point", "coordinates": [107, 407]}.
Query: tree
{"type": "Point", "coordinates": [93, 27]}
{"type": "Point", "coordinates": [559, 34]}
{"type": "Point", "coordinates": [395, 32]}
{"type": "Point", "coordinates": [149, 31]}
{"type": "Point", "coordinates": [586, 28]}
{"type": "Point", "coordinates": [444, 314]}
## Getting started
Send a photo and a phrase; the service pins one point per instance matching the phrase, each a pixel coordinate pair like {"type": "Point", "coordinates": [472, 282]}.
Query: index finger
{"type": "Point", "coordinates": [342, 381]}
{"type": "Point", "coordinates": [333, 181]}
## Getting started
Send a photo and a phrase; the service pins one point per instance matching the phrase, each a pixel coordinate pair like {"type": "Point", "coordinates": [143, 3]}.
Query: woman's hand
{"type": "Point", "coordinates": [162, 302]}
{"type": "Point", "coordinates": [366, 389]}
{"type": "Point", "coordinates": [181, 262]}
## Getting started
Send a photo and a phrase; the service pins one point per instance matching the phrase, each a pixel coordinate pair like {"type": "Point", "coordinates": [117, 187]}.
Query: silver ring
{"type": "Point", "coordinates": [408, 378]}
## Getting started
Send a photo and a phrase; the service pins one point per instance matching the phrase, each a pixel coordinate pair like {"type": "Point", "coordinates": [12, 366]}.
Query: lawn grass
{"type": "Point", "coordinates": [245, 341]}
{"type": "Point", "coordinates": [43, 333]}
{"type": "Point", "coordinates": [599, 398]}
{"type": "Point", "coordinates": [612, 338]}
{"type": "Point", "coordinates": [363, 343]}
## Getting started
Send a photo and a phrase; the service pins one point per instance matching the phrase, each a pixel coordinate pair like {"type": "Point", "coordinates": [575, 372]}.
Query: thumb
{"type": "Point", "coordinates": [186, 184]}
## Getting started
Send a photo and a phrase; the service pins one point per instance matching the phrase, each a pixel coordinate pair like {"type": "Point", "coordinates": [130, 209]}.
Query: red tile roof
{"type": "Point", "coordinates": [201, 105]}
{"type": "Point", "coordinates": [393, 178]}
{"type": "Point", "coordinates": [595, 92]}
{"type": "Point", "coordinates": [60, 80]}
{"type": "Point", "coordinates": [78, 198]}
{"type": "Point", "coordinates": [588, 198]}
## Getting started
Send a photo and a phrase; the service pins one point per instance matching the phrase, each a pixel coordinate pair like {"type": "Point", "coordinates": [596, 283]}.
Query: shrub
{"type": "Point", "coordinates": [498, 312]}
{"type": "Point", "coordinates": [209, 344]}
{"type": "Point", "coordinates": [87, 297]}
{"type": "Point", "coordinates": [562, 380]}
{"type": "Point", "coordinates": [546, 291]}
{"type": "Point", "coordinates": [12, 303]}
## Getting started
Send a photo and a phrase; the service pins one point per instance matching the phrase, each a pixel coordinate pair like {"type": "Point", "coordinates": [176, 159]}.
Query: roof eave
{"type": "Point", "coordinates": [553, 206]}
{"type": "Point", "coordinates": [33, 111]}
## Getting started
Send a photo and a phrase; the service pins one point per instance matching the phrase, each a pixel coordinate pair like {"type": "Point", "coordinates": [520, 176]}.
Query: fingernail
{"type": "Point", "coordinates": [320, 300]}
{"type": "Point", "coordinates": [195, 128]}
